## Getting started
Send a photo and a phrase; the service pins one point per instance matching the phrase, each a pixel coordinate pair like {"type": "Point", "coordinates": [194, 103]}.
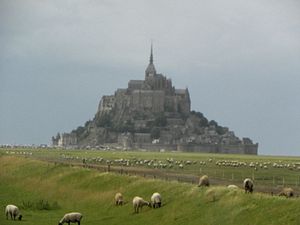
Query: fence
{"type": "Point", "coordinates": [267, 184]}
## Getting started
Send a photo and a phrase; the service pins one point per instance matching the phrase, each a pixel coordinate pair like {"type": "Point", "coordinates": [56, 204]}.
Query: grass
{"type": "Point", "coordinates": [45, 192]}
{"type": "Point", "coordinates": [273, 178]}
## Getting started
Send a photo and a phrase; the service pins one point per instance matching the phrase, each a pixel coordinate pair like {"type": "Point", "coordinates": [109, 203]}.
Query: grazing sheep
{"type": "Point", "coordinates": [248, 185]}
{"type": "Point", "coordinates": [138, 203]}
{"type": "Point", "coordinates": [232, 186]}
{"type": "Point", "coordinates": [287, 192]}
{"type": "Point", "coordinates": [156, 200]}
{"type": "Point", "coordinates": [71, 218]}
{"type": "Point", "coordinates": [13, 211]}
{"type": "Point", "coordinates": [119, 199]}
{"type": "Point", "coordinates": [203, 181]}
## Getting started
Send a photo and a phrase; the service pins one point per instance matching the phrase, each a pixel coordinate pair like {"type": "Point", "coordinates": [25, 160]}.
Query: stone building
{"type": "Point", "coordinates": [154, 94]}
{"type": "Point", "coordinates": [65, 140]}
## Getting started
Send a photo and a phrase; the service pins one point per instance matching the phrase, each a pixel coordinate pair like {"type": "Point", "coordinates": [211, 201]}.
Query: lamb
{"type": "Point", "coordinates": [138, 203]}
{"type": "Point", "coordinates": [287, 192]}
{"type": "Point", "coordinates": [248, 185]}
{"type": "Point", "coordinates": [71, 217]}
{"type": "Point", "coordinates": [203, 181]}
{"type": "Point", "coordinates": [13, 211]}
{"type": "Point", "coordinates": [119, 199]}
{"type": "Point", "coordinates": [156, 200]}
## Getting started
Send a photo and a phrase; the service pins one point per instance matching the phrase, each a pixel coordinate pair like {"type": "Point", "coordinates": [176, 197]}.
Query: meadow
{"type": "Point", "coordinates": [270, 173]}
{"type": "Point", "coordinates": [45, 191]}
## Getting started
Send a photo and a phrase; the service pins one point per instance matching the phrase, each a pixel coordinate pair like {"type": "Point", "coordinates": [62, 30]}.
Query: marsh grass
{"type": "Point", "coordinates": [45, 192]}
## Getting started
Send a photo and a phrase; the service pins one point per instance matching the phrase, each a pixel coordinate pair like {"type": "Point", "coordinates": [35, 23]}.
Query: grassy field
{"type": "Point", "coordinates": [45, 191]}
{"type": "Point", "coordinates": [286, 173]}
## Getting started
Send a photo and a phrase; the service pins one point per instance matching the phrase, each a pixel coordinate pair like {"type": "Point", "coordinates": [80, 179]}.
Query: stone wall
{"type": "Point", "coordinates": [147, 100]}
{"type": "Point", "coordinates": [202, 148]}
{"type": "Point", "coordinates": [219, 148]}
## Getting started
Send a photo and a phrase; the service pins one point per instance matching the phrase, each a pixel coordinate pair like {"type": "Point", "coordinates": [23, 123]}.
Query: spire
{"type": "Point", "coordinates": [151, 68]}
{"type": "Point", "coordinates": [151, 55]}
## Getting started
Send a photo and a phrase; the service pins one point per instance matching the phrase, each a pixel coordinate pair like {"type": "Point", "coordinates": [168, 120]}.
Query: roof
{"type": "Point", "coordinates": [180, 91]}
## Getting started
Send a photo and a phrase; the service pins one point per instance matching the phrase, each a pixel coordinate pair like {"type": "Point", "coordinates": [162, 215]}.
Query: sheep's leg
{"type": "Point", "coordinates": [78, 222]}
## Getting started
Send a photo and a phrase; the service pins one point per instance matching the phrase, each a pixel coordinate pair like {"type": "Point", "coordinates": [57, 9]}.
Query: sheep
{"type": "Point", "coordinates": [13, 211]}
{"type": "Point", "coordinates": [287, 192]}
{"type": "Point", "coordinates": [203, 181]}
{"type": "Point", "coordinates": [138, 203]}
{"type": "Point", "coordinates": [156, 200]}
{"type": "Point", "coordinates": [248, 185]}
{"type": "Point", "coordinates": [71, 217]}
{"type": "Point", "coordinates": [232, 187]}
{"type": "Point", "coordinates": [119, 199]}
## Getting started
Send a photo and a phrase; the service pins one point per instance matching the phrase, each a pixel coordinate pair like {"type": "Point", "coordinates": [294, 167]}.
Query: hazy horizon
{"type": "Point", "coordinates": [240, 61]}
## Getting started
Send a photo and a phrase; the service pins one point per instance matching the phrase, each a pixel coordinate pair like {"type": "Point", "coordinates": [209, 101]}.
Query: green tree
{"type": "Point", "coordinates": [104, 120]}
{"type": "Point", "coordinates": [155, 133]}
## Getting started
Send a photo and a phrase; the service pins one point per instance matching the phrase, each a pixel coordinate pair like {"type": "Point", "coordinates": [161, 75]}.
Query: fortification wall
{"type": "Point", "coordinates": [203, 148]}
{"type": "Point", "coordinates": [220, 148]}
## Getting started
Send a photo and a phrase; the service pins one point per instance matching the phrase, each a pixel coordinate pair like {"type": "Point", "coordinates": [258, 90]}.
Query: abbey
{"type": "Point", "coordinates": [154, 94]}
{"type": "Point", "coordinates": [152, 114]}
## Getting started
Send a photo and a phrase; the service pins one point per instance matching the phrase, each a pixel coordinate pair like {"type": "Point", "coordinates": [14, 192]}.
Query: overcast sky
{"type": "Point", "coordinates": [239, 59]}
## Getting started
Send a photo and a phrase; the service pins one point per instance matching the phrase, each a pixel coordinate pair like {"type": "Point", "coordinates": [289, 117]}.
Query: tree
{"type": "Point", "coordinates": [155, 133]}
{"type": "Point", "coordinates": [104, 120]}
{"type": "Point", "coordinates": [213, 123]}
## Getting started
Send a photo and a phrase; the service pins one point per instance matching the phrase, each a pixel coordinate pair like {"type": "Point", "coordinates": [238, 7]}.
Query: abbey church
{"type": "Point", "coordinates": [152, 114]}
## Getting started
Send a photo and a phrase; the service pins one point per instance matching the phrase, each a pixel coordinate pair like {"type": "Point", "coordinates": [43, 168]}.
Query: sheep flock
{"type": "Point", "coordinates": [154, 201]}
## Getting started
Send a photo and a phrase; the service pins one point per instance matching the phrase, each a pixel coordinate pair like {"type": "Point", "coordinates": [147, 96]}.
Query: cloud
{"type": "Point", "coordinates": [240, 59]}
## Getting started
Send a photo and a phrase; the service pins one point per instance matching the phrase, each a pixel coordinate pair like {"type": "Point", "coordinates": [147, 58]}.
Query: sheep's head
{"type": "Point", "coordinates": [59, 223]}
{"type": "Point", "coordinates": [20, 217]}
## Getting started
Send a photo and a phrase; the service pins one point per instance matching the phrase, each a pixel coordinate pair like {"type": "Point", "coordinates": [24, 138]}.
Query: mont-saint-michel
{"type": "Point", "coordinates": [152, 114]}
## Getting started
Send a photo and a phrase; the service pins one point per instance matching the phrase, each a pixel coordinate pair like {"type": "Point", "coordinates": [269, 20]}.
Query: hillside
{"type": "Point", "coordinates": [46, 191]}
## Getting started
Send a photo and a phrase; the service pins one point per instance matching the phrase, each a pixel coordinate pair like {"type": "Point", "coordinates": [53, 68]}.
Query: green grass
{"type": "Point", "coordinates": [272, 178]}
{"type": "Point", "coordinates": [31, 184]}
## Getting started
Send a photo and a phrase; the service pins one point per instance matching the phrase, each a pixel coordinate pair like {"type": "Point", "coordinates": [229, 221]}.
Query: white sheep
{"type": "Point", "coordinates": [13, 211]}
{"type": "Point", "coordinates": [203, 181]}
{"type": "Point", "coordinates": [119, 199]}
{"type": "Point", "coordinates": [232, 187]}
{"type": "Point", "coordinates": [248, 185]}
{"type": "Point", "coordinates": [156, 200]}
{"type": "Point", "coordinates": [72, 217]}
{"type": "Point", "coordinates": [287, 192]}
{"type": "Point", "coordinates": [138, 203]}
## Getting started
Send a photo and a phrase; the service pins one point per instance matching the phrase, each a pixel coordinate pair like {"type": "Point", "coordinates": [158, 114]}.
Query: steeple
{"type": "Point", "coordinates": [151, 68]}
{"type": "Point", "coordinates": [151, 55]}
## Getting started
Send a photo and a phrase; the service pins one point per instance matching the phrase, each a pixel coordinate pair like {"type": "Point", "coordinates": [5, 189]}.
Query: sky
{"type": "Point", "coordinates": [239, 59]}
